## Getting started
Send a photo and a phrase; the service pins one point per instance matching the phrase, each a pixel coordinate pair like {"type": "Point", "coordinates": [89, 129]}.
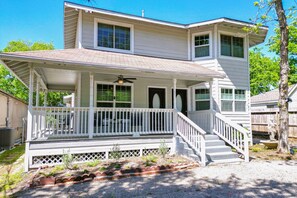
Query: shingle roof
{"type": "Point", "coordinates": [270, 96]}
{"type": "Point", "coordinates": [112, 60]}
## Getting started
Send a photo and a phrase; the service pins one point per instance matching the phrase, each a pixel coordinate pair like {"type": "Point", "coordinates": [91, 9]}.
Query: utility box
{"type": "Point", "coordinates": [7, 137]}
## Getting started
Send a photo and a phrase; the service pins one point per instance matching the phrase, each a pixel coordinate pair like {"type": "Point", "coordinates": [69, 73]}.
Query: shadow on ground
{"type": "Point", "coordinates": [178, 184]}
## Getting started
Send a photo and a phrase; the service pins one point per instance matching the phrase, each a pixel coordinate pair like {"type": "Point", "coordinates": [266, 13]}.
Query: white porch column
{"type": "Point", "coordinates": [174, 139]}
{"type": "Point", "coordinates": [174, 93]}
{"type": "Point", "coordinates": [91, 111]}
{"type": "Point", "coordinates": [37, 91]}
{"type": "Point", "coordinates": [78, 95]}
{"type": "Point", "coordinates": [45, 98]}
{"type": "Point", "coordinates": [211, 107]}
{"type": "Point", "coordinates": [29, 119]}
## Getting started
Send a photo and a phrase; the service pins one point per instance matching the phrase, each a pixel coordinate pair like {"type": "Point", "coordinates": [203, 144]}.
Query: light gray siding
{"type": "Point", "coordinates": [235, 69]}
{"type": "Point", "coordinates": [149, 39]}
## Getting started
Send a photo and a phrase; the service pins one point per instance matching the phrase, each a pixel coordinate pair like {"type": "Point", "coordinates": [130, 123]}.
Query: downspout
{"type": "Point", "coordinates": [7, 112]}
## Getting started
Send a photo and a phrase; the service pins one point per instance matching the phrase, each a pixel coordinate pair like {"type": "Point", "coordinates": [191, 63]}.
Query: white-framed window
{"type": "Point", "coordinates": [113, 95]}
{"type": "Point", "coordinates": [113, 36]}
{"type": "Point", "coordinates": [232, 46]}
{"type": "Point", "coordinates": [202, 99]}
{"type": "Point", "coordinates": [233, 100]}
{"type": "Point", "coordinates": [201, 45]}
{"type": "Point", "coordinates": [240, 100]}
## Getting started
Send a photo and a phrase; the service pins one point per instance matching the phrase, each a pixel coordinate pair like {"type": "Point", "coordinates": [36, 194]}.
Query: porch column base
{"type": "Point", "coordinates": [174, 148]}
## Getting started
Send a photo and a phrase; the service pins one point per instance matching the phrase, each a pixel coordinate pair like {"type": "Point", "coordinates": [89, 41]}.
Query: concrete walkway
{"type": "Point", "coordinates": [254, 179]}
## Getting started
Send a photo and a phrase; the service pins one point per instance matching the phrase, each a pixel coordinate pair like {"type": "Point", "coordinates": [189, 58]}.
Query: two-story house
{"type": "Point", "coordinates": [138, 81]}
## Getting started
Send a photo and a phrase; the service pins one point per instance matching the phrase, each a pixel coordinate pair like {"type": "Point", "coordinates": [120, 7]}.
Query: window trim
{"type": "Point", "coordinates": [233, 100]}
{"type": "Point", "coordinates": [210, 45]}
{"type": "Point", "coordinates": [114, 90]}
{"type": "Point", "coordinates": [108, 22]}
{"type": "Point", "coordinates": [233, 35]}
{"type": "Point", "coordinates": [195, 100]}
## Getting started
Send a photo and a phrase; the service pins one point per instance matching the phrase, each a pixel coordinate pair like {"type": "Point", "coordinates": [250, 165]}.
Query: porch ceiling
{"type": "Point", "coordinates": [102, 62]}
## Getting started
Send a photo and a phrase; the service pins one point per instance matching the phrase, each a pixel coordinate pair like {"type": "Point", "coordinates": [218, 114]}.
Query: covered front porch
{"type": "Point", "coordinates": [101, 106]}
{"type": "Point", "coordinates": [158, 101]}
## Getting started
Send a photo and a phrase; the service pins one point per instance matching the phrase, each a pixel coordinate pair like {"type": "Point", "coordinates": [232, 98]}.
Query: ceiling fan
{"type": "Point", "coordinates": [122, 80]}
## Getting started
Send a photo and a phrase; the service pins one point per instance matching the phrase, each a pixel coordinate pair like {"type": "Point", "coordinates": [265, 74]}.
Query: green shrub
{"type": "Point", "coordinates": [68, 160]}
{"type": "Point", "coordinates": [93, 163]}
{"type": "Point", "coordinates": [163, 149]}
{"type": "Point", "coordinates": [102, 168]}
{"type": "Point", "coordinates": [150, 159]}
{"type": "Point", "coordinates": [115, 152]}
{"type": "Point", "coordinates": [57, 169]}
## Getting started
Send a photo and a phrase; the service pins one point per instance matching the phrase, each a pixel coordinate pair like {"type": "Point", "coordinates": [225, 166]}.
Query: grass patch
{"type": "Point", "coordinates": [257, 148]}
{"type": "Point", "coordinates": [10, 180]}
{"type": "Point", "coordinates": [12, 155]}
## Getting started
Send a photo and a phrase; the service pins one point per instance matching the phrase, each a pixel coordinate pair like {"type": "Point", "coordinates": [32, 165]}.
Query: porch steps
{"type": "Point", "coordinates": [217, 151]}
{"type": "Point", "coordinates": [182, 148]}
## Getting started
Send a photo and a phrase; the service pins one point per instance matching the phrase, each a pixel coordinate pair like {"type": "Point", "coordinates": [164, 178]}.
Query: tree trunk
{"type": "Point", "coordinates": [283, 145]}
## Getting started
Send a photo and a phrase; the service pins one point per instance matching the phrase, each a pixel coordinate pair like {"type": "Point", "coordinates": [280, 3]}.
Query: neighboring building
{"type": "Point", "coordinates": [269, 100]}
{"type": "Point", "coordinates": [138, 77]}
{"type": "Point", "coordinates": [12, 113]}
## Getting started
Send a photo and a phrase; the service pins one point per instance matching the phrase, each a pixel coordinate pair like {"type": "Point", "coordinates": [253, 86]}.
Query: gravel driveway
{"type": "Point", "coordinates": [254, 179]}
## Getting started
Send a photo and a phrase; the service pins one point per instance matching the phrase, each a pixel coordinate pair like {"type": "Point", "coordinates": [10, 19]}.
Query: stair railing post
{"type": "Point", "coordinates": [211, 109]}
{"type": "Point", "coordinates": [246, 148]}
{"type": "Point", "coordinates": [203, 150]}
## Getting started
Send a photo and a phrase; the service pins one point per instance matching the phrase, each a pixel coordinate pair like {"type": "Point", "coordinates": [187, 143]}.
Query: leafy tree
{"type": "Point", "coordinates": [262, 82]}
{"type": "Point", "coordinates": [273, 10]}
{"type": "Point", "coordinates": [274, 46]}
{"type": "Point", "coordinates": [12, 85]}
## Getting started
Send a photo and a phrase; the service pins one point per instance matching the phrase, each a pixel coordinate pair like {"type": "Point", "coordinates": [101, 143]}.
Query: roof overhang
{"type": "Point", "coordinates": [105, 63]}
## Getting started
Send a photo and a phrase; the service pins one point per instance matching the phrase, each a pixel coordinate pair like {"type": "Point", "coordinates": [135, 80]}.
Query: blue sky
{"type": "Point", "coordinates": [35, 20]}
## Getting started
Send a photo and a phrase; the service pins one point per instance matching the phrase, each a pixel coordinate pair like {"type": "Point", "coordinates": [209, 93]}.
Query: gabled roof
{"type": "Point", "coordinates": [271, 96]}
{"type": "Point", "coordinates": [88, 60]}
{"type": "Point", "coordinates": [71, 18]}
{"type": "Point", "coordinates": [157, 21]}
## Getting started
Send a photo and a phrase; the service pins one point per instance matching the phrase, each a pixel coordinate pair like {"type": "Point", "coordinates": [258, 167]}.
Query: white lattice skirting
{"type": "Point", "coordinates": [85, 157]}
{"type": "Point", "coordinates": [52, 153]}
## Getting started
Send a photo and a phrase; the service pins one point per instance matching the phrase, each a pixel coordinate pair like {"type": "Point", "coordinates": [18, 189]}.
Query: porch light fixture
{"type": "Point", "coordinates": [120, 81]}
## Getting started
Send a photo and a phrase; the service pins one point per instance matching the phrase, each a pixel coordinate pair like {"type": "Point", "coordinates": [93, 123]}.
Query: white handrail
{"type": "Point", "coordinates": [232, 133]}
{"type": "Point", "coordinates": [192, 134]}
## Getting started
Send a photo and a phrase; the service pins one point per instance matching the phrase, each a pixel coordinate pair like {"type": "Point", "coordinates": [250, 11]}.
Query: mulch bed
{"type": "Point", "coordinates": [115, 170]}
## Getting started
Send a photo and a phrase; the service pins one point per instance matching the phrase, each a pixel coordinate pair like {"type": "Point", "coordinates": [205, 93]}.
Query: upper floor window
{"type": "Point", "coordinates": [232, 46]}
{"type": "Point", "coordinates": [202, 46]}
{"type": "Point", "coordinates": [113, 35]}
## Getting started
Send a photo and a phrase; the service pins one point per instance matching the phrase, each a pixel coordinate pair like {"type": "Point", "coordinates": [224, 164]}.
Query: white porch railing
{"type": "Point", "coordinates": [232, 133]}
{"type": "Point", "coordinates": [59, 122]}
{"type": "Point", "coordinates": [192, 134]}
{"type": "Point", "coordinates": [132, 121]}
{"type": "Point", "coordinates": [73, 122]}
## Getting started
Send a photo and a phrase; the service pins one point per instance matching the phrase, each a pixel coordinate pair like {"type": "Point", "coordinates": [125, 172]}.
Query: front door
{"type": "Point", "coordinates": [157, 98]}
{"type": "Point", "coordinates": [181, 100]}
